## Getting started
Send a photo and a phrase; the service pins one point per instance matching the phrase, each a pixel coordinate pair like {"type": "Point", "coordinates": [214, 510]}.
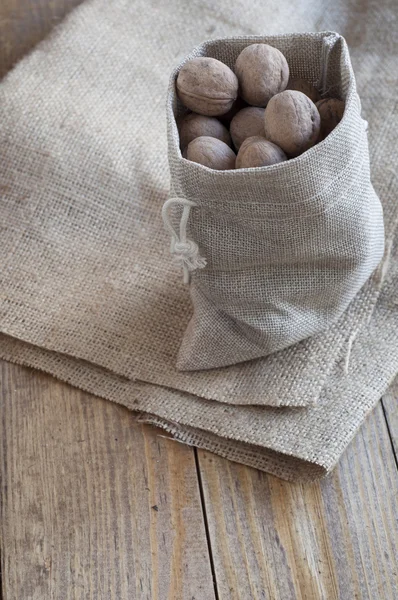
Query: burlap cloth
{"type": "Point", "coordinates": [87, 290]}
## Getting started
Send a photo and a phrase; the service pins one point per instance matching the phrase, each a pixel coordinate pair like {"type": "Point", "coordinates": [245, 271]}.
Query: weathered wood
{"type": "Point", "coordinates": [337, 539]}
{"type": "Point", "coordinates": [390, 404]}
{"type": "Point", "coordinates": [23, 24]}
{"type": "Point", "coordinates": [94, 505]}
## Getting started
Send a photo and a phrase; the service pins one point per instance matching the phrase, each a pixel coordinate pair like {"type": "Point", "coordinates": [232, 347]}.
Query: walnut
{"type": "Point", "coordinates": [292, 122]}
{"type": "Point", "coordinates": [193, 126]}
{"type": "Point", "coordinates": [212, 153]}
{"type": "Point", "coordinates": [301, 85]}
{"type": "Point", "coordinates": [207, 86]}
{"type": "Point", "coordinates": [331, 111]}
{"type": "Point", "coordinates": [246, 123]}
{"type": "Point", "coordinates": [262, 72]}
{"type": "Point", "coordinates": [256, 151]}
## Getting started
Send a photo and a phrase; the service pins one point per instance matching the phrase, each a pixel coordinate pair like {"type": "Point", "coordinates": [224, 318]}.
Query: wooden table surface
{"type": "Point", "coordinates": [96, 506]}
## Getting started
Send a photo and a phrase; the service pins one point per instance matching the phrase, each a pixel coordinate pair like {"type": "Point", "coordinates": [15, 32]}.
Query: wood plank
{"type": "Point", "coordinates": [335, 539]}
{"type": "Point", "coordinates": [23, 24]}
{"type": "Point", "coordinates": [94, 505]}
{"type": "Point", "coordinates": [390, 404]}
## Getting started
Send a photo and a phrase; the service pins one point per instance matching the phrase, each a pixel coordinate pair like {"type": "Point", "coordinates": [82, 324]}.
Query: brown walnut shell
{"type": "Point", "coordinates": [193, 126]}
{"type": "Point", "coordinates": [256, 151]}
{"type": "Point", "coordinates": [212, 153]}
{"type": "Point", "coordinates": [331, 112]}
{"type": "Point", "coordinates": [207, 86]}
{"type": "Point", "coordinates": [246, 123]}
{"type": "Point", "coordinates": [292, 122]}
{"type": "Point", "coordinates": [262, 71]}
{"type": "Point", "coordinates": [301, 85]}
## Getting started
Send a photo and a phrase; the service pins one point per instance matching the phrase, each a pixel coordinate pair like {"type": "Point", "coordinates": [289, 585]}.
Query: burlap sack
{"type": "Point", "coordinates": [287, 247]}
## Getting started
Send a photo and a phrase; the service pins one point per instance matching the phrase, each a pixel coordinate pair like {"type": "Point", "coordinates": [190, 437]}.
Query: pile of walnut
{"type": "Point", "coordinates": [272, 119]}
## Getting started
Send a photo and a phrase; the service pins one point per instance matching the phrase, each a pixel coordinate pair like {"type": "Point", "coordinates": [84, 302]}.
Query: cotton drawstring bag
{"type": "Point", "coordinates": [275, 254]}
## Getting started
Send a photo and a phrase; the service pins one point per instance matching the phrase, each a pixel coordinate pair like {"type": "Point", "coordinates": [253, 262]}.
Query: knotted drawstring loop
{"type": "Point", "coordinates": [185, 252]}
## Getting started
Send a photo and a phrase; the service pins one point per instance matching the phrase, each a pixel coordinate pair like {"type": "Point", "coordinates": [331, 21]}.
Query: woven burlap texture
{"type": "Point", "coordinates": [289, 246]}
{"type": "Point", "coordinates": [88, 292]}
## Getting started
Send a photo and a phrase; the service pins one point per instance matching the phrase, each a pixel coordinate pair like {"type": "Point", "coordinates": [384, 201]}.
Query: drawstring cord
{"type": "Point", "coordinates": [185, 252]}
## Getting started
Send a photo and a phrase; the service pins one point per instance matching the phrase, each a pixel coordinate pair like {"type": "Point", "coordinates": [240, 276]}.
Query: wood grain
{"type": "Point", "coordinates": [94, 505]}
{"type": "Point", "coordinates": [24, 23]}
{"type": "Point", "coordinates": [337, 539]}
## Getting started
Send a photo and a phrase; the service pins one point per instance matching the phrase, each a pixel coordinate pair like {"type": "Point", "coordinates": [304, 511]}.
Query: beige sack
{"type": "Point", "coordinates": [288, 246]}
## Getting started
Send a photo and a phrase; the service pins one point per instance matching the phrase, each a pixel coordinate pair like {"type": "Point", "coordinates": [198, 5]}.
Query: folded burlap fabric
{"type": "Point", "coordinates": [85, 173]}
{"type": "Point", "coordinates": [87, 289]}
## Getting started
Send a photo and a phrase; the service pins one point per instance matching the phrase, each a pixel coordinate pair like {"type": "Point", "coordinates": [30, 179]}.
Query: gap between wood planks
{"type": "Point", "coordinates": [389, 434]}
{"type": "Point", "coordinates": [206, 524]}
